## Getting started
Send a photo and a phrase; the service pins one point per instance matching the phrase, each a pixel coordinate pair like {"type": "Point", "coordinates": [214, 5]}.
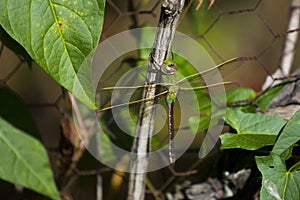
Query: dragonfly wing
{"type": "Point", "coordinates": [128, 96]}
{"type": "Point", "coordinates": [216, 73]}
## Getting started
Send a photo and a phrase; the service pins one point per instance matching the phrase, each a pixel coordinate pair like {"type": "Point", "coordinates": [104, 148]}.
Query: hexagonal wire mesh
{"type": "Point", "coordinates": [259, 29]}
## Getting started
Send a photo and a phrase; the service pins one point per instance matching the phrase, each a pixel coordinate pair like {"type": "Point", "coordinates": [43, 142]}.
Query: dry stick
{"type": "Point", "coordinates": [99, 190]}
{"type": "Point", "coordinates": [288, 52]}
{"type": "Point", "coordinates": [169, 16]}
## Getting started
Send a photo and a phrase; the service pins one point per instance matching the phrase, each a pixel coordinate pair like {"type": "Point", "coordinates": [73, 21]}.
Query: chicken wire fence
{"type": "Point", "coordinates": [262, 30]}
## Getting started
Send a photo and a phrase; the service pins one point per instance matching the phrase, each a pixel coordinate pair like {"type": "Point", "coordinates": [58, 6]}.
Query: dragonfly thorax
{"type": "Point", "coordinates": [172, 94]}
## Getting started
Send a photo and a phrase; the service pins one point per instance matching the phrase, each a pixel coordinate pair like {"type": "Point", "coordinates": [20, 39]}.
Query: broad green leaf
{"type": "Point", "coordinates": [277, 180]}
{"type": "Point", "coordinates": [198, 123]}
{"type": "Point", "coordinates": [265, 100]}
{"type": "Point", "coordinates": [249, 123]}
{"type": "Point", "coordinates": [201, 122]}
{"type": "Point", "coordinates": [246, 141]}
{"type": "Point", "coordinates": [204, 103]}
{"type": "Point", "coordinates": [253, 130]}
{"type": "Point", "coordinates": [147, 35]}
{"type": "Point", "coordinates": [24, 161]}
{"type": "Point", "coordinates": [239, 94]}
{"type": "Point", "coordinates": [60, 36]}
{"type": "Point", "coordinates": [99, 141]}
{"type": "Point", "coordinates": [13, 109]}
{"type": "Point", "coordinates": [248, 108]}
{"type": "Point", "coordinates": [105, 150]}
{"type": "Point", "coordinates": [155, 142]}
{"type": "Point", "coordinates": [185, 68]}
{"type": "Point", "coordinates": [289, 136]}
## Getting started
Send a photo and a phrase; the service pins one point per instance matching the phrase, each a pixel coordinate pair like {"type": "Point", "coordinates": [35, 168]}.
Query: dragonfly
{"type": "Point", "coordinates": [171, 88]}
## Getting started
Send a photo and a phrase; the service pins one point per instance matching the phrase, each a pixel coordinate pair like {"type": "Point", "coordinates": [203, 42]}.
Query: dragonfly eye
{"type": "Point", "coordinates": [169, 68]}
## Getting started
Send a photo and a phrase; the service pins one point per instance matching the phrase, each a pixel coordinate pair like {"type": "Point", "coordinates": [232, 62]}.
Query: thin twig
{"type": "Point", "coordinates": [99, 187]}
{"type": "Point", "coordinates": [169, 16]}
{"type": "Point", "coordinates": [92, 172]}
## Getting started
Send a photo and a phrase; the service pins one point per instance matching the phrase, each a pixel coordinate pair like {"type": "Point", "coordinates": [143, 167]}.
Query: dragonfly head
{"type": "Point", "coordinates": [169, 67]}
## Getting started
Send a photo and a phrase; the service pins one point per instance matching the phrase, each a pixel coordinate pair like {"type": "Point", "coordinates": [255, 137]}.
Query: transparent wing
{"type": "Point", "coordinates": [120, 99]}
{"type": "Point", "coordinates": [204, 106]}
{"type": "Point", "coordinates": [215, 74]}
{"type": "Point", "coordinates": [127, 92]}
{"type": "Point", "coordinates": [119, 104]}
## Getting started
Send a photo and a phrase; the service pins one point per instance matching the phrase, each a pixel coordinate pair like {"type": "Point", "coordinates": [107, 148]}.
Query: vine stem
{"type": "Point", "coordinates": [169, 16]}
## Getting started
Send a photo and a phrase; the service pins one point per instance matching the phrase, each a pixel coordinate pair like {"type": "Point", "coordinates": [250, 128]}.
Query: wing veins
{"type": "Point", "coordinates": [133, 102]}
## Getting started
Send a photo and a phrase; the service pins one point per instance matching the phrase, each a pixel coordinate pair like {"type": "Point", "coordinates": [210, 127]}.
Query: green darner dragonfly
{"type": "Point", "coordinates": [127, 91]}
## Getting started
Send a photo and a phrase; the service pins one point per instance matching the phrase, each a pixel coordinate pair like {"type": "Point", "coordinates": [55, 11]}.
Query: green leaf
{"type": "Point", "coordinates": [60, 36]}
{"type": "Point", "coordinates": [276, 178]}
{"type": "Point", "coordinates": [24, 161]}
{"type": "Point", "coordinates": [198, 123]}
{"type": "Point", "coordinates": [248, 108]}
{"type": "Point", "coordinates": [147, 34]}
{"type": "Point", "coordinates": [289, 136]}
{"type": "Point", "coordinates": [156, 142]}
{"type": "Point", "coordinates": [239, 94]}
{"type": "Point", "coordinates": [246, 141]}
{"type": "Point", "coordinates": [265, 100]}
{"type": "Point", "coordinates": [105, 150]}
{"type": "Point", "coordinates": [253, 130]}
{"type": "Point", "coordinates": [13, 109]}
